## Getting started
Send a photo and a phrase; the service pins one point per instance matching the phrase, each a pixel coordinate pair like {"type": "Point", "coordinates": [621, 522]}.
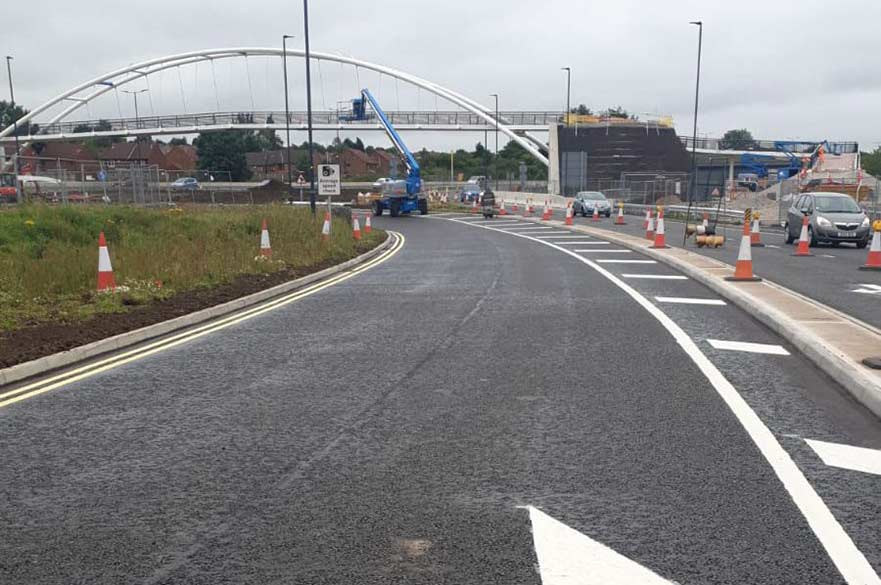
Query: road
{"type": "Point", "coordinates": [423, 421]}
{"type": "Point", "coordinates": [831, 276]}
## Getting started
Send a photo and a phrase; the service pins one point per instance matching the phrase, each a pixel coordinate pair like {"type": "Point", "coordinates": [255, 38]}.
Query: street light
{"type": "Point", "coordinates": [309, 107]}
{"type": "Point", "coordinates": [496, 158]}
{"type": "Point", "coordinates": [693, 185]}
{"type": "Point", "coordinates": [287, 114]}
{"type": "Point", "coordinates": [134, 94]}
{"type": "Point", "coordinates": [568, 71]}
{"type": "Point", "coordinates": [14, 128]}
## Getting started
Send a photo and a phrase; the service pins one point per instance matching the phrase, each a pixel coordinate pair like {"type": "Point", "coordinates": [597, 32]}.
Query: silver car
{"type": "Point", "coordinates": [586, 201]}
{"type": "Point", "coordinates": [832, 218]}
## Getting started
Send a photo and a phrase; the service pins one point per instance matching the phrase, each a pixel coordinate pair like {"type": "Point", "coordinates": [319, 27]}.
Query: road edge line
{"type": "Point", "coordinates": [75, 355]}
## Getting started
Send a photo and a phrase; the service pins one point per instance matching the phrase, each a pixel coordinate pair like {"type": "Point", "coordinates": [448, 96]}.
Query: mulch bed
{"type": "Point", "coordinates": [44, 339]}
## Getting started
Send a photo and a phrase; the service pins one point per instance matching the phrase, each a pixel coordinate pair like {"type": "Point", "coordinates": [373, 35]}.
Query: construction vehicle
{"type": "Point", "coordinates": [8, 190]}
{"type": "Point", "coordinates": [398, 196]}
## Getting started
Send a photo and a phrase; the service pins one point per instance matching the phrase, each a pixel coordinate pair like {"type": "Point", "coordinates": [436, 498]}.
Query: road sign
{"type": "Point", "coordinates": [102, 175]}
{"type": "Point", "coordinates": [328, 179]}
{"type": "Point", "coordinates": [301, 180]}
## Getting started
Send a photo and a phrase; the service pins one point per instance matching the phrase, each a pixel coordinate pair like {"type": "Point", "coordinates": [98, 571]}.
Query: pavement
{"type": "Point", "coordinates": [492, 396]}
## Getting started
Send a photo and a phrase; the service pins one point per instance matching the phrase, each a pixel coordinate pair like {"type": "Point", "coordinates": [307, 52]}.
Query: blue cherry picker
{"type": "Point", "coordinates": [398, 196]}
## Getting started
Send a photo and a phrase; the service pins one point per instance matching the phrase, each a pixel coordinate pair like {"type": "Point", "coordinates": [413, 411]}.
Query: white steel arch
{"type": "Point", "coordinates": [115, 79]}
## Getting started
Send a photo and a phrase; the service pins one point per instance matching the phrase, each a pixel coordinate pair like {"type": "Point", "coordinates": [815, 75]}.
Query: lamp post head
{"type": "Point", "coordinates": [697, 22]}
{"type": "Point", "coordinates": [287, 36]}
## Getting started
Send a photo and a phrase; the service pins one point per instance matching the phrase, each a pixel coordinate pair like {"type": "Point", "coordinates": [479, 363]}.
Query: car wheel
{"type": "Point", "coordinates": [422, 204]}
{"type": "Point", "coordinates": [811, 237]}
{"type": "Point", "coordinates": [608, 214]}
{"type": "Point", "coordinates": [789, 237]}
{"type": "Point", "coordinates": [394, 207]}
{"type": "Point", "coordinates": [377, 208]}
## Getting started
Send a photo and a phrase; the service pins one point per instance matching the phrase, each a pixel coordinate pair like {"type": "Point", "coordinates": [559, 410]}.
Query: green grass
{"type": "Point", "coordinates": [49, 255]}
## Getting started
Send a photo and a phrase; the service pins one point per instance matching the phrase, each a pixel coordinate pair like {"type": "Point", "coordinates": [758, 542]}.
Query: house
{"type": "Point", "coordinates": [164, 156]}
{"type": "Point", "coordinates": [54, 158]}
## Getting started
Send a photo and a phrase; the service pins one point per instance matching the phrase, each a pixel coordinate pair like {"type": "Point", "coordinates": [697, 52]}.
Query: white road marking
{"type": "Point", "coordinates": [568, 557]}
{"type": "Point", "coordinates": [656, 276]}
{"type": "Point", "coordinates": [747, 347]}
{"type": "Point", "coordinates": [868, 289]}
{"type": "Point", "coordinates": [569, 237]}
{"type": "Point", "coordinates": [848, 457]}
{"type": "Point", "coordinates": [771, 246]}
{"type": "Point", "coordinates": [531, 227]}
{"type": "Point", "coordinates": [604, 251]}
{"type": "Point", "coordinates": [848, 559]}
{"type": "Point", "coordinates": [584, 243]}
{"type": "Point", "coordinates": [504, 222]}
{"type": "Point", "coordinates": [826, 256]}
{"type": "Point", "coordinates": [627, 261]}
{"type": "Point", "coordinates": [690, 301]}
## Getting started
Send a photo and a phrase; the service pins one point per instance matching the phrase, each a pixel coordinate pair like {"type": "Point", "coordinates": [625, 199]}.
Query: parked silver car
{"type": "Point", "coordinates": [833, 218]}
{"type": "Point", "coordinates": [586, 201]}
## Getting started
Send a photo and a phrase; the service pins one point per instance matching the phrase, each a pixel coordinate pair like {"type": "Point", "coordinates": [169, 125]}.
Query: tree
{"type": "Point", "coordinates": [8, 115]}
{"type": "Point", "coordinates": [224, 151]}
{"type": "Point", "coordinates": [178, 141]}
{"type": "Point", "coordinates": [871, 162]}
{"type": "Point", "coordinates": [740, 139]}
{"type": "Point", "coordinates": [581, 110]}
{"type": "Point", "coordinates": [617, 112]}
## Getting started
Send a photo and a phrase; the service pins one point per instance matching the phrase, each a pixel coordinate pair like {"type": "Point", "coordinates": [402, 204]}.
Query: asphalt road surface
{"type": "Point", "coordinates": [408, 424]}
{"type": "Point", "coordinates": [831, 276]}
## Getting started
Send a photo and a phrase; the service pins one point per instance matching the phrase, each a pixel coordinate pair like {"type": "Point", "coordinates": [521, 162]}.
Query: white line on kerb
{"type": "Point", "coordinates": [656, 276]}
{"type": "Point", "coordinates": [747, 347]}
{"type": "Point", "coordinates": [849, 560]}
{"type": "Point", "coordinates": [627, 261]}
{"type": "Point", "coordinates": [690, 301]}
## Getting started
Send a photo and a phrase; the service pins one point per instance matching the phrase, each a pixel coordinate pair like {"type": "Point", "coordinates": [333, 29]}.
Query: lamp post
{"type": "Point", "coordinates": [14, 129]}
{"type": "Point", "coordinates": [134, 94]}
{"type": "Point", "coordinates": [309, 106]}
{"type": "Point", "coordinates": [697, 87]}
{"type": "Point", "coordinates": [496, 157]}
{"type": "Point", "coordinates": [287, 114]}
{"type": "Point", "coordinates": [568, 71]}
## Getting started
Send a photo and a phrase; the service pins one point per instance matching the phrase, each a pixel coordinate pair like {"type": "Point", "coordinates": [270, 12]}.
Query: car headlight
{"type": "Point", "coordinates": [866, 222]}
{"type": "Point", "coordinates": [822, 221]}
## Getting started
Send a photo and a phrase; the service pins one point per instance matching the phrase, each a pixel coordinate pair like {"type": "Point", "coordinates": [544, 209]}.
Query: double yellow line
{"type": "Point", "coordinates": [88, 370]}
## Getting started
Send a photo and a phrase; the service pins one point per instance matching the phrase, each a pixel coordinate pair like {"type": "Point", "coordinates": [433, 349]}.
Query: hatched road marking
{"type": "Point", "coordinates": [747, 347]}
{"type": "Point", "coordinates": [605, 251]}
{"type": "Point", "coordinates": [627, 261]}
{"type": "Point", "coordinates": [656, 276]}
{"type": "Point", "coordinates": [847, 457]}
{"type": "Point", "coordinates": [687, 301]}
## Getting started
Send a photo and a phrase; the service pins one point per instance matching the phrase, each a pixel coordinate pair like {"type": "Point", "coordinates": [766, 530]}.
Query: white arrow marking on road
{"type": "Point", "coordinates": [847, 457]}
{"type": "Point", "coordinates": [869, 289]}
{"type": "Point", "coordinates": [568, 557]}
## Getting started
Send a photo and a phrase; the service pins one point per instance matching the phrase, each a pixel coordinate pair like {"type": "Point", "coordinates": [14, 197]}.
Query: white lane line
{"type": "Point", "coordinates": [868, 289]}
{"type": "Point", "coordinates": [577, 243]}
{"type": "Point", "coordinates": [595, 251]}
{"type": "Point", "coordinates": [747, 347]}
{"type": "Point", "coordinates": [656, 276]}
{"type": "Point", "coordinates": [531, 227]}
{"type": "Point", "coordinates": [568, 557]}
{"type": "Point", "coordinates": [826, 256]}
{"type": "Point", "coordinates": [569, 237]}
{"type": "Point", "coordinates": [847, 457]}
{"type": "Point", "coordinates": [848, 559]}
{"type": "Point", "coordinates": [690, 301]}
{"type": "Point", "coordinates": [504, 222]}
{"type": "Point", "coordinates": [615, 261]}
{"type": "Point", "coordinates": [771, 246]}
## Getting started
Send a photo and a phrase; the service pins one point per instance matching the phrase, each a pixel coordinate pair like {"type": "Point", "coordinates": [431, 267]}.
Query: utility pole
{"type": "Point", "coordinates": [568, 71]}
{"type": "Point", "coordinates": [312, 193]}
{"type": "Point", "coordinates": [697, 88]}
{"type": "Point", "coordinates": [496, 159]}
{"type": "Point", "coordinates": [287, 115]}
{"type": "Point", "coordinates": [18, 197]}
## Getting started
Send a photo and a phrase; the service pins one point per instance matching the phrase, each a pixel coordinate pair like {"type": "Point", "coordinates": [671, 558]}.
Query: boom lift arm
{"type": "Point", "coordinates": [414, 176]}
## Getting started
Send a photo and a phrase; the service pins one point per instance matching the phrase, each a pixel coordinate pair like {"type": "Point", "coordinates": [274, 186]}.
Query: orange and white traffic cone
{"type": "Point", "coordinates": [648, 216]}
{"type": "Point", "coordinates": [620, 219]}
{"type": "Point", "coordinates": [873, 262]}
{"type": "Point", "coordinates": [569, 218]}
{"type": "Point", "coordinates": [706, 222]}
{"type": "Point", "coordinates": [529, 208]}
{"type": "Point", "coordinates": [105, 270]}
{"type": "Point", "coordinates": [804, 244]}
{"type": "Point", "coordinates": [502, 208]}
{"type": "Point", "coordinates": [547, 213]}
{"type": "Point", "coordinates": [743, 270]}
{"type": "Point", "coordinates": [356, 228]}
{"type": "Point", "coordinates": [367, 227]}
{"type": "Point", "coordinates": [265, 248]}
{"type": "Point", "coordinates": [660, 232]}
{"type": "Point", "coordinates": [650, 228]}
{"type": "Point", "coordinates": [756, 235]}
{"type": "Point", "coordinates": [596, 214]}
{"type": "Point", "coordinates": [515, 208]}
{"type": "Point", "coordinates": [325, 229]}
{"type": "Point", "coordinates": [474, 206]}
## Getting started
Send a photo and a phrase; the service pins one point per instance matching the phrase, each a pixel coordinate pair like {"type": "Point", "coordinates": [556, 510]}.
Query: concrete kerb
{"type": "Point", "coordinates": [75, 355]}
{"type": "Point", "coordinates": [862, 385]}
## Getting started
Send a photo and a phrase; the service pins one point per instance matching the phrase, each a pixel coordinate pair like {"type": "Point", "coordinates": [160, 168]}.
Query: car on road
{"type": "Point", "coordinates": [832, 218]}
{"type": "Point", "coordinates": [586, 201]}
{"type": "Point", "coordinates": [469, 193]}
{"type": "Point", "coordinates": [185, 184]}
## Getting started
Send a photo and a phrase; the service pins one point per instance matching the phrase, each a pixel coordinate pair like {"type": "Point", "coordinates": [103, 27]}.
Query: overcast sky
{"type": "Point", "coordinates": [806, 69]}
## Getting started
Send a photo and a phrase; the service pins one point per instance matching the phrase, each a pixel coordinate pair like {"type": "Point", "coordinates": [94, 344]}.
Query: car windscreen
{"type": "Point", "coordinates": [592, 196]}
{"type": "Point", "coordinates": [836, 204]}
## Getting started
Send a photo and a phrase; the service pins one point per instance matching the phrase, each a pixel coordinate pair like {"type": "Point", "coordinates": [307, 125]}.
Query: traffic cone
{"type": "Point", "coordinates": [873, 262]}
{"type": "Point", "coordinates": [596, 214]}
{"type": "Point", "coordinates": [803, 242]}
{"type": "Point", "coordinates": [502, 208]}
{"type": "Point", "coordinates": [367, 227]}
{"type": "Point", "coordinates": [620, 219]}
{"type": "Point", "coordinates": [743, 270]}
{"type": "Point", "coordinates": [569, 219]}
{"type": "Point", "coordinates": [529, 208]}
{"type": "Point", "coordinates": [755, 238]}
{"type": "Point", "coordinates": [650, 228]}
{"type": "Point", "coordinates": [474, 206]}
{"type": "Point", "coordinates": [325, 229]}
{"type": "Point", "coordinates": [105, 270]}
{"type": "Point", "coordinates": [648, 216]}
{"type": "Point", "coordinates": [546, 215]}
{"type": "Point", "coordinates": [660, 233]}
{"type": "Point", "coordinates": [265, 248]}
{"type": "Point", "coordinates": [356, 228]}
{"type": "Point", "coordinates": [514, 208]}
{"type": "Point", "coordinates": [706, 222]}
